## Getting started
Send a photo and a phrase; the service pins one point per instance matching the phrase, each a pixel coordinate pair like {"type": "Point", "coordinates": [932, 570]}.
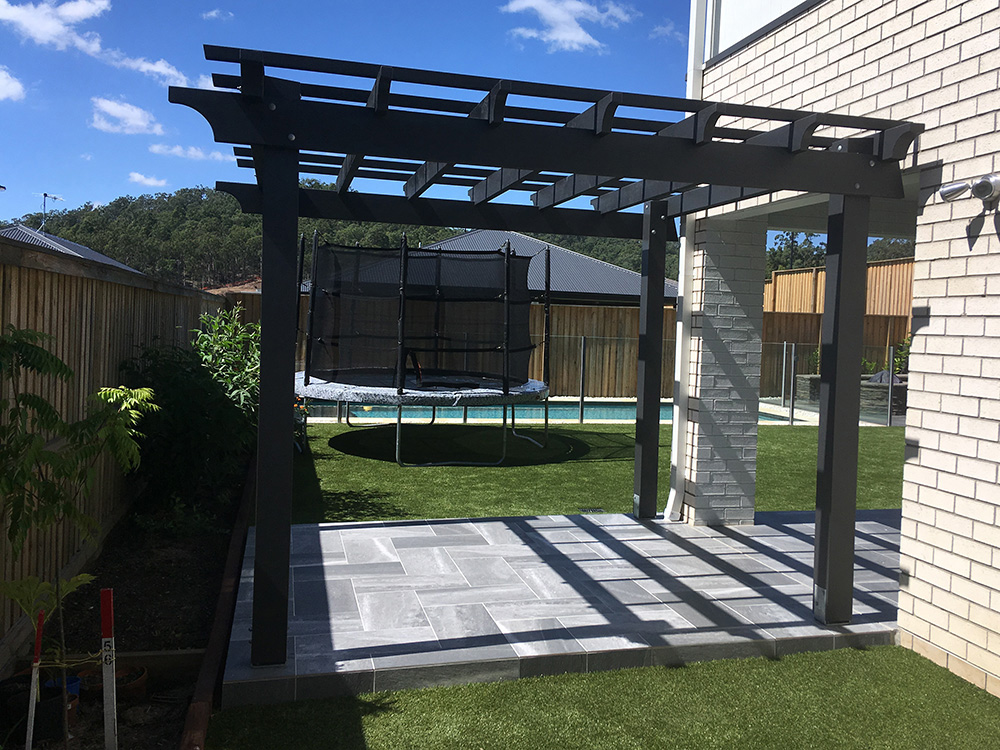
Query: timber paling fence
{"type": "Point", "coordinates": [599, 346]}
{"type": "Point", "coordinates": [98, 316]}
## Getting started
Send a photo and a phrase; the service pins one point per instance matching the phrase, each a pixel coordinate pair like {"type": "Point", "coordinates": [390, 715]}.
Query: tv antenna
{"type": "Point", "coordinates": [46, 197]}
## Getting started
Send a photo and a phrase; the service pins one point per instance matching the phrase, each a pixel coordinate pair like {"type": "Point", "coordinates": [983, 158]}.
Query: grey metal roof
{"type": "Point", "coordinates": [39, 238]}
{"type": "Point", "coordinates": [574, 277]}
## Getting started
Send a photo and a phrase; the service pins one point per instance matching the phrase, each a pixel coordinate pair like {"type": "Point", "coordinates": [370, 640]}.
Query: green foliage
{"type": "Point", "coordinates": [34, 595]}
{"type": "Point", "coordinates": [887, 248]}
{"type": "Point", "coordinates": [230, 351]}
{"type": "Point", "coordinates": [47, 465]}
{"type": "Point", "coordinates": [197, 446]}
{"type": "Point", "coordinates": [198, 440]}
{"type": "Point", "coordinates": [795, 250]}
{"type": "Point", "coordinates": [901, 358]}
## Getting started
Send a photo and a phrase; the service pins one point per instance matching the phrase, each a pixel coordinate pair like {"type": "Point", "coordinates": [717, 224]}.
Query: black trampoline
{"type": "Point", "coordinates": [414, 327]}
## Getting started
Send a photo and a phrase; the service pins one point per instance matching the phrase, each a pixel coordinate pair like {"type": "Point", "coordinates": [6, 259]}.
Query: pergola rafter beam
{"type": "Point", "coordinates": [322, 126]}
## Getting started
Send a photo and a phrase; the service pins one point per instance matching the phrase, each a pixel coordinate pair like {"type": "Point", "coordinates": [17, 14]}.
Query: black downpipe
{"type": "Point", "coordinates": [401, 327]}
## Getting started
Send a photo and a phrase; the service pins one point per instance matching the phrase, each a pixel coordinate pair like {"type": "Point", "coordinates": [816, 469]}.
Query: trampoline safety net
{"type": "Point", "coordinates": [448, 320]}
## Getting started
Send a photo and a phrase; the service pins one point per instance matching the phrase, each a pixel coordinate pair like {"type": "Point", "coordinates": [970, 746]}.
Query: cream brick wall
{"type": "Point", "coordinates": [727, 324]}
{"type": "Point", "coordinates": [935, 62]}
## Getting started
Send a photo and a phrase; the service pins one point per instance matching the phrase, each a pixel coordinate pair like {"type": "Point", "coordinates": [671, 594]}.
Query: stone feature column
{"type": "Point", "coordinates": [727, 321]}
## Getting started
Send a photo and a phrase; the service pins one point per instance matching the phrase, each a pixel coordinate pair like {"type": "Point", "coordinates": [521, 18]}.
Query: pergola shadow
{"type": "Point", "coordinates": [405, 604]}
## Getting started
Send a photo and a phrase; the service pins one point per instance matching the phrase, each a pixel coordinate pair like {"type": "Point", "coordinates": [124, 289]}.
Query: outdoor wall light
{"type": "Point", "coordinates": [987, 188]}
{"type": "Point", "coordinates": [953, 191]}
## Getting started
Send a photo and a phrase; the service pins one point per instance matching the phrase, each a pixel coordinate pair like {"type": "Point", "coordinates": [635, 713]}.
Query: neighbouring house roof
{"type": "Point", "coordinates": [39, 238]}
{"type": "Point", "coordinates": [574, 277]}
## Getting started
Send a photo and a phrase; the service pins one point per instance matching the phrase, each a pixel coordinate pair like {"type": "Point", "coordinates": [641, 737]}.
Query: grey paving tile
{"type": "Point", "coordinates": [391, 609]}
{"type": "Point", "coordinates": [510, 552]}
{"type": "Point", "coordinates": [453, 528]}
{"type": "Point", "coordinates": [455, 540]}
{"type": "Point", "coordinates": [457, 621]}
{"type": "Point", "coordinates": [370, 550]}
{"type": "Point", "coordinates": [394, 530]}
{"type": "Point", "coordinates": [475, 594]}
{"type": "Point", "coordinates": [346, 570]}
{"type": "Point", "coordinates": [350, 647]}
{"type": "Point", "coordinates": [332, 598]}
{"type": "Point", "coordinates": [540, 636]}
{"type": "Point", "coordinates": [541, 608]}
{"type": "Point", "coordinates": [428, 561]}
{"type": "Point", "coordinates": [548, 583]}
{"type": "Point", "coordinates": [487, 571]}
{"type": "Point", "coordinates": [310, 539]}
{"type": "Point", "coordinates": [371, 584]}
{"type": "Point", "coordinates": [618, 592]}
{"type": "Point", "coordinates": [499, 532]}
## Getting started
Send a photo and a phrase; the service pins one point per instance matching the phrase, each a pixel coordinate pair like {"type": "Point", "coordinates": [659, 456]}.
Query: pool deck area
{"type": "Point", "coordinates": [377, 606]}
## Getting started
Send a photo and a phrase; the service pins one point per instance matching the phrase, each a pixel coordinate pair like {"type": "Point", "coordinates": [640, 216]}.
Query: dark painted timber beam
{"type": "Point", "coordinates": [378, 102]}
{"type": "Point", "coordinates": [839, 402]}
{"type": "Point", "coordinates": [321, 126]}
{"type": "Point", "coordinates": [327, 204]}
{"type": "Point", "coordinates": [657, 230]}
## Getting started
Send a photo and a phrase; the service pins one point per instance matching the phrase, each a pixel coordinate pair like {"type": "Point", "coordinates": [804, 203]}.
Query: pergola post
{"type": "Point", "coordinates": [839, 403]}
{"type": "Point", "coordinates": [656, 230]}
{"type": "Point", "coordinates": [278, 177]}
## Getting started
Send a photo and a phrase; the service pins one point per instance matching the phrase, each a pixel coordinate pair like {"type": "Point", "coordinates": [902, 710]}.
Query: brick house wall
{"type": "Point", "coordinates": [935, 62]}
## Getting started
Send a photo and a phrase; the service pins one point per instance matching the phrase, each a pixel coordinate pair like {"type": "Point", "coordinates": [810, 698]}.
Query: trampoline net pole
{"type": "Point", "coordinates": [401, 326]}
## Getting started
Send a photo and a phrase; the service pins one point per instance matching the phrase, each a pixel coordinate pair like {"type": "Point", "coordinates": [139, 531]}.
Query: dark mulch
{"type": "Point", "coordinates": [166, 579]}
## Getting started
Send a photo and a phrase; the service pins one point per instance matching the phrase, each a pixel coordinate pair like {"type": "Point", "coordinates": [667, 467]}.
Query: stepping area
{"type": "Point", "coordinates": [407, 604]}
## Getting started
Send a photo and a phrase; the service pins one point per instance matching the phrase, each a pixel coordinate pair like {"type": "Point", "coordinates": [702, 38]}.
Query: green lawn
{"type": "Point", "coordinates": [884, 697]}
{"type": "Point", "coordinates": [351, 474]}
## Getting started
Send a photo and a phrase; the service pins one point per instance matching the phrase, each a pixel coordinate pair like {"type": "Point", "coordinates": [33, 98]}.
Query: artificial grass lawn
{"type": "Point", "coordinates": [350, 474]}
{"type": "Point", "coordinates": [885, 697]}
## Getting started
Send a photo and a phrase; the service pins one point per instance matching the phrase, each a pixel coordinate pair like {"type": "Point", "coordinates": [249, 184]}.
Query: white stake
{"type": "Point", "coordinates": [108, 670]}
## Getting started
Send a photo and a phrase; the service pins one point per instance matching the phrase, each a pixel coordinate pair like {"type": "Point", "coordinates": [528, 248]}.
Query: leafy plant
{"type": "Point", "coordinates": [230, 351]}
{"type": "Point", "coordinates": [33, 595]}
{"type": "Point", "coordinates": [901, 358]}
{"type": "Point", "coordinates": [47, 465]}
{"type": "Point", "coordinates": [199, 442]}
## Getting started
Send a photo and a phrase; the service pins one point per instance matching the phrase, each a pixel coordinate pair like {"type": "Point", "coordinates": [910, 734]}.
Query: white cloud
{"type": "Point", "coordinates": [668, 30]}
{"type": "Point", "coordinates": [218, 15]}
{"type": "Point", "coordinates": [121, 117]}
{"type": "Point", "coordinates": [190, 152]}
{"type": "Point", "coordinates": [87, 157]}
{"type": "Point", "coordinates": [53, 24]}
{"type": "Point", "coordinates": [10, 87]}
{"type": "Point", "coordinates": [205, 82]}
{"type": "Point", "coordinates": [141, 179]}
{"type": "Point", "coordinates": [561, 21]}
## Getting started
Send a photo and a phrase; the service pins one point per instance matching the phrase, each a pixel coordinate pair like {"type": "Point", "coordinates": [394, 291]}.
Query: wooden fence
{"type": "Point", "coordinates": [610, 350]}
{"type": "Point", "coordinates": [890, 289]}
{"type": "Point", "coordinates": [98, 316]}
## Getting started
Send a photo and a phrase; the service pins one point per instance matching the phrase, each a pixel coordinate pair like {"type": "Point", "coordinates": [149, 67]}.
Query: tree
{"type": "Point", "coordinates": [888, 248]}
{"type": "Point", "coordinates": [795, 250]}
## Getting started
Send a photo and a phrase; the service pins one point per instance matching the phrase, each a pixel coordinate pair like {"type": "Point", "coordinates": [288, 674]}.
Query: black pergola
{"type": "Point", "coordinates": [417, 133]}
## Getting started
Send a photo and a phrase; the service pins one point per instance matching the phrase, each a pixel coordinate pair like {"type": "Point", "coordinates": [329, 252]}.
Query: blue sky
{"type": "Point", "coordinates": [83, 83]}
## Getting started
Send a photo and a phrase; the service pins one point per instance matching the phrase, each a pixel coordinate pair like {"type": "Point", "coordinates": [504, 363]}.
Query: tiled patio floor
{"type": "Point", "coordinates": [393, 605]}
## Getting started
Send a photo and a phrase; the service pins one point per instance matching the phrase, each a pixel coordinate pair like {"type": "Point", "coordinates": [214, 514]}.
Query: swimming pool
{"type": "Point", "coordinates": [596, 410]}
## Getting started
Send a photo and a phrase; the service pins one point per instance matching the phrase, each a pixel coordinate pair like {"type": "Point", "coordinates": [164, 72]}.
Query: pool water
{"type": "Point", "coordinates": [593, 411]}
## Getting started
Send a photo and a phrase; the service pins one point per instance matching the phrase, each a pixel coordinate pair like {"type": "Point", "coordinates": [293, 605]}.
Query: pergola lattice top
{"type": "Point", "coordinates": [418, 129]}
